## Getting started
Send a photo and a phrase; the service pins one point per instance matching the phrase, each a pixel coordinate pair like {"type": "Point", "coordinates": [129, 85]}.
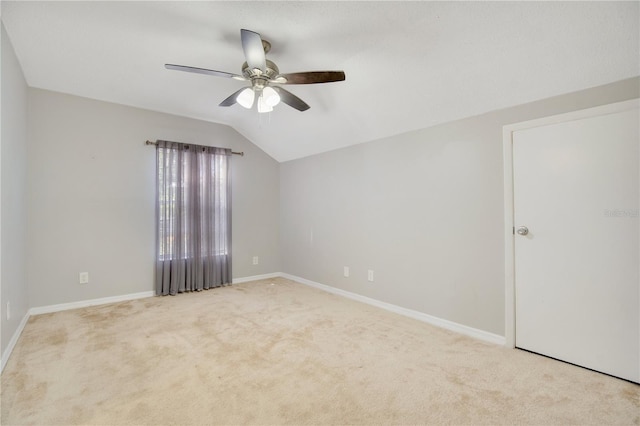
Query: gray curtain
{"type": "Point", "coordinates": [193, 217]}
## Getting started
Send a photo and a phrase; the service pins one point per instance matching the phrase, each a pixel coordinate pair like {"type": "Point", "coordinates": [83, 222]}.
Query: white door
{"type": "Point", "coordinates": [576, 188]}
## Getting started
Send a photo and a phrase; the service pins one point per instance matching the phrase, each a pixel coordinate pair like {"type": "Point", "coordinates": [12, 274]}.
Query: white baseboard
{"type": "Point", "coordinates": [256, 278]}
{"type": "Point", "coordinates": [439, 322]}
{"type": "Point", "coordinates": [91, 302]}
{"type": "Point", "coordinates": [14, 339]}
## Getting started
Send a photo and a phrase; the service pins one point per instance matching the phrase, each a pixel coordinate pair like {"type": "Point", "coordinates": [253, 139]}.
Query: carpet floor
{"type": "Point", "coordinates": [278, 352]}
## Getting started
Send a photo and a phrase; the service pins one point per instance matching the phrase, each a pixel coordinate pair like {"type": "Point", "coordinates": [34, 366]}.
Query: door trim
{"type": "Point", "coordinates": [509, 243]}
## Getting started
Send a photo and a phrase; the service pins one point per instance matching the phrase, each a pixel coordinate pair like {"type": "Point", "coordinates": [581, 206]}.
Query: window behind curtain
{"type": "Point", "coordinates": [193, 217]}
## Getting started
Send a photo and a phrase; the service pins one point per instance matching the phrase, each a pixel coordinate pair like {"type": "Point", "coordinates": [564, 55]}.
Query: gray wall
{"type": "Point", "coordinates": [91, 196]}
{"type": "Point", "coordinates": [424, 210]}
{"type": "Point", "coordinates": [13, 177]}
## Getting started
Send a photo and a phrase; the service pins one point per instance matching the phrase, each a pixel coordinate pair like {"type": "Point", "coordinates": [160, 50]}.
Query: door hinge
{"type": "Point", "coordinates": [513, 230]}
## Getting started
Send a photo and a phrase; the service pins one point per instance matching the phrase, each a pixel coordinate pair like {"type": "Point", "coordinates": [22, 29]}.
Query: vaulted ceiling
{"type": "Point", "coordinates": [408, 65]}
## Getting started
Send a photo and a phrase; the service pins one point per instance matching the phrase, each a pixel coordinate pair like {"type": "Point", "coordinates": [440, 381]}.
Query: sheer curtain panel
{"type": "Point", "coordinates": [193, 217]}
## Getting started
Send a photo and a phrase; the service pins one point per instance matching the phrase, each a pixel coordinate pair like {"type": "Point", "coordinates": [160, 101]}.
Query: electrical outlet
{"type": "Point", "coordinates": [83, 278]}
{"type": "Point", "coordinates": [255, 260]}
{"type": "Point", "coordinates": [346, 271]}
{"type": "Point", "coordinates": [370, 275]}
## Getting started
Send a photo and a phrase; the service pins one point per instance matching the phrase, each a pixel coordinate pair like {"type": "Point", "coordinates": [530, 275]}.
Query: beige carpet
{"type": "Point", "coordinates": [278, 352]}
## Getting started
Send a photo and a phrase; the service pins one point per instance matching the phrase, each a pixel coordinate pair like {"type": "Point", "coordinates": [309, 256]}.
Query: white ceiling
{"type": "Point", "coordinates": [409, 65]}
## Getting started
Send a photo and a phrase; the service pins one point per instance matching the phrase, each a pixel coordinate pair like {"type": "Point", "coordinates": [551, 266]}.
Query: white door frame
{"type": "Point", "coordinates": [509, 243]}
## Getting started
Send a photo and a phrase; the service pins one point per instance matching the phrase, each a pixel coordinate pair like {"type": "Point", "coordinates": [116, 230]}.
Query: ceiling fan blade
{"type": "Point", "coordinates": [231, 100]}
{"type": "Point", "coordinates": [291, 99]}
{"type": "Point", "coordinates": [203, 71]}
{"type": "Point", "coordinates": [310, 77]}
{"type": "Point", "coordinates": [253, 49]}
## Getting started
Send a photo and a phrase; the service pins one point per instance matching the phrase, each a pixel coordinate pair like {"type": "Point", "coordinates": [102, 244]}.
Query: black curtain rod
{"type": "Point", "coordinates": [156, 143]}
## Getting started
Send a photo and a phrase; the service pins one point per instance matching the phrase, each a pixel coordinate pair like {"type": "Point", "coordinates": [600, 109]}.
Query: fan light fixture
{"type": "Point", "coordinates": [263, 106]}
{"type": "Point", "coordinates": [270, 96]}
{"type": "Point", "coordinates": [267, 99]}
{"type": "Point", "coordinates": [246, 97]}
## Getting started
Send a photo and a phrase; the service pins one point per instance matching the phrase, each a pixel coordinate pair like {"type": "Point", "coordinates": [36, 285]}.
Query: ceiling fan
{"type": "Point", "coordinates": [265, 77]}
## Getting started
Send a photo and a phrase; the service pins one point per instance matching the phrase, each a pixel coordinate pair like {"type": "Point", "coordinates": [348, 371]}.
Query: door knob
{"type": "Point", "coordinates": [522, 230]}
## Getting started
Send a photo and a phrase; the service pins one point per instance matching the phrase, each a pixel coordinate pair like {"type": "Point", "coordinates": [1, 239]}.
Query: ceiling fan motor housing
{"type": "Point", "coordinates": [260, 79]}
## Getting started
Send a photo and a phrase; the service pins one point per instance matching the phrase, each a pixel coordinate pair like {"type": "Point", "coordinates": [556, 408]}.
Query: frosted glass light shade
{"type": "Point", "coordinates": [263, 106]}
{"type": "Point", "coordinates": [271, 97]}
{"type": "Point", "coordinates": [246, 97]}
